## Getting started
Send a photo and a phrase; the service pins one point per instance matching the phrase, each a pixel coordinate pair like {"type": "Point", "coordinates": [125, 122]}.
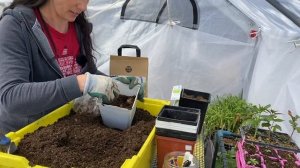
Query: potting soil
{"type": "Point", "coordinates": [81, 140]}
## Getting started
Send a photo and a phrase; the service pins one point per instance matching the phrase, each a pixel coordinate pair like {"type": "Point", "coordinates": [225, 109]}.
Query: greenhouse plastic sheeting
{"type": "Point", "coordinates": [219, 57]}
{"type": "Point", "coordinates": [215, 58]}
{"type": "Point", "coordinates": [276, 74]}
{"type": "Point", "coordinates": [184, 12]}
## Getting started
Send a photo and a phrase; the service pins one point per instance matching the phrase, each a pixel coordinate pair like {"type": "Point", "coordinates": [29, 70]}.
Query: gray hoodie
{"type": "Point", "coordinates": [31, 83]}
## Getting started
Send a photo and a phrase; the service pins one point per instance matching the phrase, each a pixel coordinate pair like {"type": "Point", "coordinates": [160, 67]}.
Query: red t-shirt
{"type": "Point", "coordinates": [66, 46]}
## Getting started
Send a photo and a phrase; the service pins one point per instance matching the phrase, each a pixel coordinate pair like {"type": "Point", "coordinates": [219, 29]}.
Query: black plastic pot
{"type": "Point", "coordinates": [178, 122]}
{"type": "Point", "coordinates": [195, 99]}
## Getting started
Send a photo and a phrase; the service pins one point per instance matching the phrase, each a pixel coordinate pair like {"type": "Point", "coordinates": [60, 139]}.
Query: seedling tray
{"type": "Point", "coordinates": [279, 145]}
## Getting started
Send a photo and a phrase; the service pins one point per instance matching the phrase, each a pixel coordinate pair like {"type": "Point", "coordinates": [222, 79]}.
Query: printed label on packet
{"type": "Point", "coordinates": [175, 96]}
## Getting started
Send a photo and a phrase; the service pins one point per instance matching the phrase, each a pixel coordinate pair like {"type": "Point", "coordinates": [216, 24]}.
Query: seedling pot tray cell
{"type": "Point", "coordinates": [289, 158]}
{"type": "Point", "coordinates": [243, 158]}
{"type": "Point", "coordinates": [273, 162]}
{"type": "Point", "coordinates": [268, 152]}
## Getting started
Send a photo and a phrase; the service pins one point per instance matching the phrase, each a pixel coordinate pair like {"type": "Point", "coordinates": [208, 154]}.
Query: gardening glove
{"type": "Point", "coordinates": [87, 104]}
{"type": "Point", "coordinates": [102, 87]}
{"type": "Point", "coordinates": [133, 81]}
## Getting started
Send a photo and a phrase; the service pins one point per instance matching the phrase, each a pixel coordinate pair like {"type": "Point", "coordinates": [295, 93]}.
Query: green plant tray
{"type": "Point", "coordinates": [221, 146]}
{"type": "Point", "coordinates": [271, 145]}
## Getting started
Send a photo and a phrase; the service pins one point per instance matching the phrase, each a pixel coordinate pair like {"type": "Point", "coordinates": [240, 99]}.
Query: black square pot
{"type": "Point", "coordinates": [178, 122]}
{"type": "Point", "coordinates": [195, 99]}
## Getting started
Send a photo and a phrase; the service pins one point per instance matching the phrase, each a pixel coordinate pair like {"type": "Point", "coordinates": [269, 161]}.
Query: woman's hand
{"type": "Point", "coordinates": [103, 87]}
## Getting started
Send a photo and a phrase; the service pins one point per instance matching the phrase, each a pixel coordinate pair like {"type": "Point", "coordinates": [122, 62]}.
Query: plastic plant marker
{"type": "Point", "coordinates": [175, 96]}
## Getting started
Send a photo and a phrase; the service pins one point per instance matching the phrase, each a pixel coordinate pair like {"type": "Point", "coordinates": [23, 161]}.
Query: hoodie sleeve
{"type": "Point", "coordinates": [18, 94]}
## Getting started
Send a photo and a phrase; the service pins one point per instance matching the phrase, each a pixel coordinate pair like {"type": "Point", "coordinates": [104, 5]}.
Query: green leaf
{"type": "Point", "coordinates": [267, 106]}
{"type": "Point", "coordinates": [276, 127]}
{"type": "Point", "coordinates": [265, 124]}
{"type": "Point", "coordinates": [298, 129]}
{"type": "Point", "coordinates": [278, 120]}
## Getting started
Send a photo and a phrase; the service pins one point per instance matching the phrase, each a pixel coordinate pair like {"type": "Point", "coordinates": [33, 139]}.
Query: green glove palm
{"type": "Point", "coordinates": [103, 87]}
{"type": "Point", "coordinates": [133, 81]}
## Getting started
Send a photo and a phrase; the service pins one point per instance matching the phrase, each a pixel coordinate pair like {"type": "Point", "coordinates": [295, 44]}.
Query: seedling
{"type": "Point", "coordinates": [268, 151]}
{"type": "Point", "coordinates": [257, 117]}
{"type": "Point", "coordinates": [227, 158]}
{"type": "Point", "coordinates": [293, 123]}
{"type": "Point", "coordinates": [253, 162]}
{"type": "Point", "coordinates": [227, 113]}
{"type": "Point", "coordinates": [269, 121]}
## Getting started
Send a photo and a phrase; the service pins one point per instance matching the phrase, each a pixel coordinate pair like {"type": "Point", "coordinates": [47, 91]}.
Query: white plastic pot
{"type": "Point", "coordinates": [117, 117]}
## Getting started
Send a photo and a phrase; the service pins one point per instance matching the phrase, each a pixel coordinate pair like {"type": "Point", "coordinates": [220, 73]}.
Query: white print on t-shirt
{"type": "Point", "coordinates": [68, 64]}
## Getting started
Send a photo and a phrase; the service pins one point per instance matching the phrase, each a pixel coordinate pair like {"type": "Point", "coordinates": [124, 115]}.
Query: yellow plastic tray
{"type": "Point", "coordinates": [141, 160]}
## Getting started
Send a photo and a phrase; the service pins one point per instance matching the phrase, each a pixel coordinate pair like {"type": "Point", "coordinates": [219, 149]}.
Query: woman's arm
{"type": "Point", "coordinates": [18, 94]}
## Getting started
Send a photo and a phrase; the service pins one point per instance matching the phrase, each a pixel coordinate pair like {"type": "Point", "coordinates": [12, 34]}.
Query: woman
{"type": "Point", "coordinates": [46, 60]}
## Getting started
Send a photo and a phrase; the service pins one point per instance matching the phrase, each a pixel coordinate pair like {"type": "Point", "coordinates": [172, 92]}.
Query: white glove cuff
{"type": "Point", "coordinates": [88, 83]}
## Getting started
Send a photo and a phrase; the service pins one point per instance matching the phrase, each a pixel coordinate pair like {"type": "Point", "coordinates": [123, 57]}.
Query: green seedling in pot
{"type": "Point", "coordinates": [269, 121]}
{"type": "Point", "coordinates": [227, 113]}
{"type": "Point", "coordinates": [255, 121]}
{"type": "Point", "coordinates": [268, 151]}
{"type": "Point", "coordinates": [253, 162]}
{"type": "Point", "coordinates": [293, 123]}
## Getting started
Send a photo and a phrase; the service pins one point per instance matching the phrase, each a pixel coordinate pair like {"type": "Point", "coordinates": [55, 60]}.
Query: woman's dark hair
{"type": "Point", "coordinates": [85, 28]}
